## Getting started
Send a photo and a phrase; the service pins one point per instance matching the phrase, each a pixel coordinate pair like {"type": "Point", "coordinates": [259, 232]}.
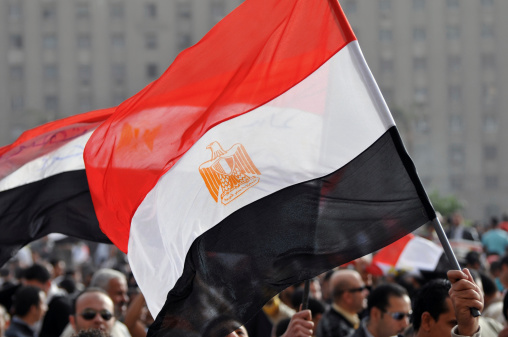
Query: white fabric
{"type": "Point", "coordinates": [310, 131]}
{"type": "Point", "coordinates": [68, 157]}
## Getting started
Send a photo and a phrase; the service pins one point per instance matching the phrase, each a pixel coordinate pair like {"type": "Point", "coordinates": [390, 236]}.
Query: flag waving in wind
{"type": "Point", "coordinates": [263, 156]}
{"type": "Point", "coordinates": [43, 185]}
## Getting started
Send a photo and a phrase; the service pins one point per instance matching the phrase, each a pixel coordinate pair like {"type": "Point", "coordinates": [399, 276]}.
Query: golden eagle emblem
{"type": "Point", "coordinates": [229, 173]}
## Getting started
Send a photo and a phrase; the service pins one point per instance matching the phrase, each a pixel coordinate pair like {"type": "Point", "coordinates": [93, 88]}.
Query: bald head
{"type": "Point", "coordinates": [348, 290]}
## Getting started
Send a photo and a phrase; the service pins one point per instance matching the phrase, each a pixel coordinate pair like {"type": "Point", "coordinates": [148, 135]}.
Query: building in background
{"type": "Point", "coordinates": [441, 65]}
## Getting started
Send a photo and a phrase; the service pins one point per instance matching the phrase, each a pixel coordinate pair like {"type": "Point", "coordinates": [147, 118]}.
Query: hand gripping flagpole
{"type": "Point", "coordinates": [449, 254]}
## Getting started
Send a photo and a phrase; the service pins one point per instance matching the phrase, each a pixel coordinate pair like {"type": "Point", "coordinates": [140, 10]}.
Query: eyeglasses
{"type": "Point", "coordinates": [356, 290]}
{"type": "Point", "coordinates": [398, 316]}
{"type": "Point", "coordinates": [89, 314]}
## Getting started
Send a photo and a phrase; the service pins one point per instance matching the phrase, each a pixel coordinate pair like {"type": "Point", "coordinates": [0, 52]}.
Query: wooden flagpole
{"type": "Point", "coordinates": [449, 253]}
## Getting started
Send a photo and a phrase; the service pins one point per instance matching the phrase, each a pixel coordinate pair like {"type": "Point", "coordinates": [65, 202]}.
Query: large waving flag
{"type": "Point", "coordinates": [263, 156]}
{"type": "Point", "coordinates": [43, 185]}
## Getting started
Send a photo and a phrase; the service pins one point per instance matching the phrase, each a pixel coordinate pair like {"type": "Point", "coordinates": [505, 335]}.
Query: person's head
{"type": "Point", "coordinates": [389, 309]}
{"type": "Point", "coordinates": [457, 218]}
{"type": "Point", "coordinates": [224, 326]}
{"type": "Point", "coordinates": [348, 290]}
{"type": "Point", "coordinates": [433, 313]}
{"type": "Point", "coordinates": [115, 284]}
{"type": "Point", "coordinates": [37, 275]}
{"type": "Point", "coordinates": [4, 320]}
{"type": "Point", "coordinates": [93, 308]}
{"type": "Point", "coordinates": [473, 260]}
{"type": "Point", "coordinates": [58, 265]}
{"type": "Point", "coordinates": [503, 274]}
{"type": "Point", "coordinates": [29, 304]}
{"type": "Point", "coordinates": [490, 292]}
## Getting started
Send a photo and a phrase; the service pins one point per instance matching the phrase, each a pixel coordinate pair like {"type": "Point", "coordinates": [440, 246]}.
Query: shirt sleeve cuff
{"type": "Point", "coordinates": [456, 328]}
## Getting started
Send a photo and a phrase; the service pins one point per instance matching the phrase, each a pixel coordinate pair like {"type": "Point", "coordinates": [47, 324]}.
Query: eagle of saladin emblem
{"type": "Point", "coordinates": [229, 173]}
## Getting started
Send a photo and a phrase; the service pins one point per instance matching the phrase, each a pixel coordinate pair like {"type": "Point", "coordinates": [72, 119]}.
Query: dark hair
{"type": "Point", "coordinates": [221, 326]}
{"type": "Point", "coordinates": [489, 285]}
{"type": "Point", "coordinates": [430, 298]}
{"type": "Point", "coordinates": [380, 296]}
{"type": "Point", "coordinates": [37, 272]}
{"type": "Point", "coordinates": [316, 306]}
{"type": "Point", "coordinates": [86, 291]}
{"type": "Point", "coordinates": [504, 260]}
{"type": "Point", "coordinates": [68, 284]}
{"type": "Point", "coordinates": [473, 257]}
{"type": "Point", "coordinates": [24, 298]}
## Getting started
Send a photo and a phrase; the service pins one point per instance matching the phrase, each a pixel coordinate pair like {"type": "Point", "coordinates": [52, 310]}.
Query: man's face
{"type": "Point", "coordinates": [117, 290]}
{"type": "Point", "coordinates": [445, 322]}
{"type": "Point", "coordinates": [395, 318]}
{"type": "Point", "coordinates": [240, 332]}
{"type": "Point", "coordinates": [42, 307]}
{"type": "Point", "coordinates": [358, 294]}
{"type": "Point", "coordinates": [93, 310]}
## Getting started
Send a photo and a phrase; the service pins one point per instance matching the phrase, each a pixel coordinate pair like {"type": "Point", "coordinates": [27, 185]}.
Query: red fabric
{"type": "Point", "coordinates": [256, 53]}
{"type": "Point", "coordinates": [43, 139]}
{"type": "Point", "coordinates": [389, 255]}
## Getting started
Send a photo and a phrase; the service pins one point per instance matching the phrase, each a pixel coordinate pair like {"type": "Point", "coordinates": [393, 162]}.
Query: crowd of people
{"type": "Point", "coordinates": [60, 286]}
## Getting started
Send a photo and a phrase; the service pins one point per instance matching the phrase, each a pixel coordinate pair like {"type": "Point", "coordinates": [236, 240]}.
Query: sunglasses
{"type": "Point", "coordinates": [398, 316]}
{"type": "Point", "coordinates": [356, 290]}
{"type": "Point", "coordinates": [89, 314]}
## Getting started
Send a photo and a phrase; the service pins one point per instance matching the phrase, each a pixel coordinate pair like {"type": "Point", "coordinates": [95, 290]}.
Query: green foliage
{"type": "Point", "coordinates": [445, 205]}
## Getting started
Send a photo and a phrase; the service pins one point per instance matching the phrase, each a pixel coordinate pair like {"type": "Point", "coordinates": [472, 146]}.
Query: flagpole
{"type": "Point", "coordinates": [305, 299]}
{"type": "Point", "coordinates": [449, 253]}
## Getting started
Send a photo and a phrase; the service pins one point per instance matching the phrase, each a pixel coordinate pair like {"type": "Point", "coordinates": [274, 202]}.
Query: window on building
{"type": "Point", "coordinates": [454, 62]}
{"type": "Point", "coordinates": [150, 11]}
{"type": "Point", "coordinates": [85, 103]}
{"type": "Point", "coordinates": [16, 41]}
{"type": "Point", "coordinates": [385, 5]}
{"type": "Point", "coordinates": [116, 11]}
{"type": "Point", "coordinates": [490, 123]}
{"type": "Point", "coordinates": [217, 11]}
{"type": "Point", "coordinates": [457, 182]}
{"type": "Point", "coordinates": [17, 103]}
{"type": "Point", "coordinates": [49, 12]}
{"type": "Point", "coordinates": [151, 41]}
{"type": "Point", "coordinates": [489, 94]}
{"type": "Point", "coordinates": [385, 35]}
{"type": "Point", "coordinates": [349, 6]}
{"type": "Point", "coordinates": [454, 92]}
{"type": "Point", "coordinates": [184, 40]}
{"type": "Point", "coordinates": [119, 72]}
{"type": "Point", "coordinates": [51, 103]}
{"type": "Point", "coordinates": [452, 32]}
{"type": "Point", "coordinates": [456, 154]}
{"type": "Point", "coordinates": [419, 34]}
{"type": "Point", "coordinates": [490, 152]}
{"type": "Point", "coordinates": [422, 124]}
{"type": "Point", "coordinates": [491, 182]}
{"type": "Point", "coordinates": [16, 72]}
{"type": "Point", "coordinates": [85, 74]}
{"type": "Point", "coordinates": [487, 3]}
{"type": "Point", "coordinates": [184, 10]}
{"type": "Point", "coordinates": [50, 72]}
{"type": "Point", "coordinates": [152, 70]}
{"type": "Point", "coordinates": [84, 41]}
{"type": "Point", "coordinates": [49, 41]}
{"type": "Point", "coordinates": [82, 10]}
{"type": "Point", "coordinates": [452, 3]}
{"type": "Point", "coordinates": [14, 11]}
{"type": "Point", "coordinates": [488, 61]}
{"type": "Point", "coordinates": [386, 65]}
{"type": "Point", "coordinates": [487, 30]}
{"type": "Point", "coordinates": [421, 95]}
{"type": "Point", "coordinates": [418, 4]}
{"type": "Point", "coordinates": [420, 63]}
{"type": "Point", "coordinates": [456, 123]}
{"type": "Point", "coordinates": [118, 40]}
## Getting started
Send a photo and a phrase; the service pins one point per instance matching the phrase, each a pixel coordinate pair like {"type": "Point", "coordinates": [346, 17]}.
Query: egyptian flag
{"type": "Point", "coordinates": [412, 255]}
{"type": "Point", "coordinates": [264, 155]}
{"type": "Point", "coordinates": [43, 185]}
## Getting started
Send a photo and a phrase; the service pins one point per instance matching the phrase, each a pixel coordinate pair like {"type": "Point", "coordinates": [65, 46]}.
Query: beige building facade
{"type": "Point", "coordinates": [441, 65]}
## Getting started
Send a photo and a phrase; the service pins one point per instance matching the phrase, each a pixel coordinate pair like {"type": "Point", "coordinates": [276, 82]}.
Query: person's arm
{"type": "Point", "coordinates": [465, 294]}
{"type": "Point", "coordinates": [133, 315]}
{"type": "Point", "coordinates": [301, 325]}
